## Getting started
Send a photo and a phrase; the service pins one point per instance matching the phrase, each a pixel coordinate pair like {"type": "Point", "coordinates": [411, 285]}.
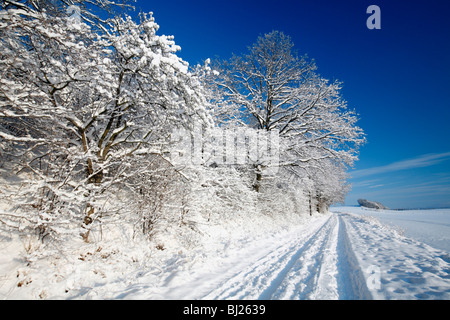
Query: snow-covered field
{"type": "Point", "coordinates": [429, 226]}
{"type": "Point", "coordinates": [394, 249]}
{"type": "Point", "coordinates": [349, 253]}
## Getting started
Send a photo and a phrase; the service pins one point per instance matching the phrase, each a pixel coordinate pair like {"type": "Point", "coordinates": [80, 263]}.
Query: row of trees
{"type": "Point", "coordinates": [88, 105]}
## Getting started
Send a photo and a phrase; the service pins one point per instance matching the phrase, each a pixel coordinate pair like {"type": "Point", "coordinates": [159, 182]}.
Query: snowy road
{"type": "Point", "coordinates": [340, 255]}
{"type": "Point", "coordinates": [336, 256]}
{"type": "Point", "coordinates": [315, 265]}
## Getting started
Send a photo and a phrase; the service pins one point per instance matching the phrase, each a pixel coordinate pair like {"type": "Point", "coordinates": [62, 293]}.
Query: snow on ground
{"type": "Point", "coordinates": [429, 226]}
{"type": "Point", "coordinates": [395, 266]}
{"type": "Point", "coordinates": [346, 254]}
{"type": "Point", "coordinates": [336, 256]}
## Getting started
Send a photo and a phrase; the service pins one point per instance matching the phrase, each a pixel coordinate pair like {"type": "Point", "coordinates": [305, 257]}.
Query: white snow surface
{"type": "Point", "coordinates": [349, 253]}
{"type": "Point", "coordinates": [431, 226]}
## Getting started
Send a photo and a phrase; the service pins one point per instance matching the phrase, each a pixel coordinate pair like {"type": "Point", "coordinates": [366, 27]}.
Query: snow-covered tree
{"type": "Point", "coordinates": [275, 89]}
{"type": "Point", "coordinates": [79, 101]}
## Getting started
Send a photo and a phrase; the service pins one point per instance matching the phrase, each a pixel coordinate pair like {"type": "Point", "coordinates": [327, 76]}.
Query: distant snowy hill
{"type": "Point", "coordinates": [371, 204]}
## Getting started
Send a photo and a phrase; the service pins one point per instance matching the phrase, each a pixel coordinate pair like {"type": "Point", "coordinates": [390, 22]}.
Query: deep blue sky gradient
{"type": "Point", "coordinates": [396, 78]}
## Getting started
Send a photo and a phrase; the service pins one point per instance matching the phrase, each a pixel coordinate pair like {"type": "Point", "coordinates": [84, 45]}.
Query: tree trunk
{"type": "Point", "coordinates": [258, 179]}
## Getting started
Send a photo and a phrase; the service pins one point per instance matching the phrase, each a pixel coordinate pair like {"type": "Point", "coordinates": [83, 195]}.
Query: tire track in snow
{"type": "Point", "coordinates": [320, 265]}
{"type": "Point", "coordinates": [300, 279]}
{"type": "Point", "coordinates": [262, 276]}
{"type": "Point", "coordinates": [326, 269]}
{"type": "Point", "coordinates": [327, 285]}
{"type": "Point", "coordinates": [352, 282]}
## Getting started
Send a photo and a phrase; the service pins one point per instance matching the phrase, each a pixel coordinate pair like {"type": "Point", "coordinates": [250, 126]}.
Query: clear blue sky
{"type": "Point", "coordinates": [396, 78]}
